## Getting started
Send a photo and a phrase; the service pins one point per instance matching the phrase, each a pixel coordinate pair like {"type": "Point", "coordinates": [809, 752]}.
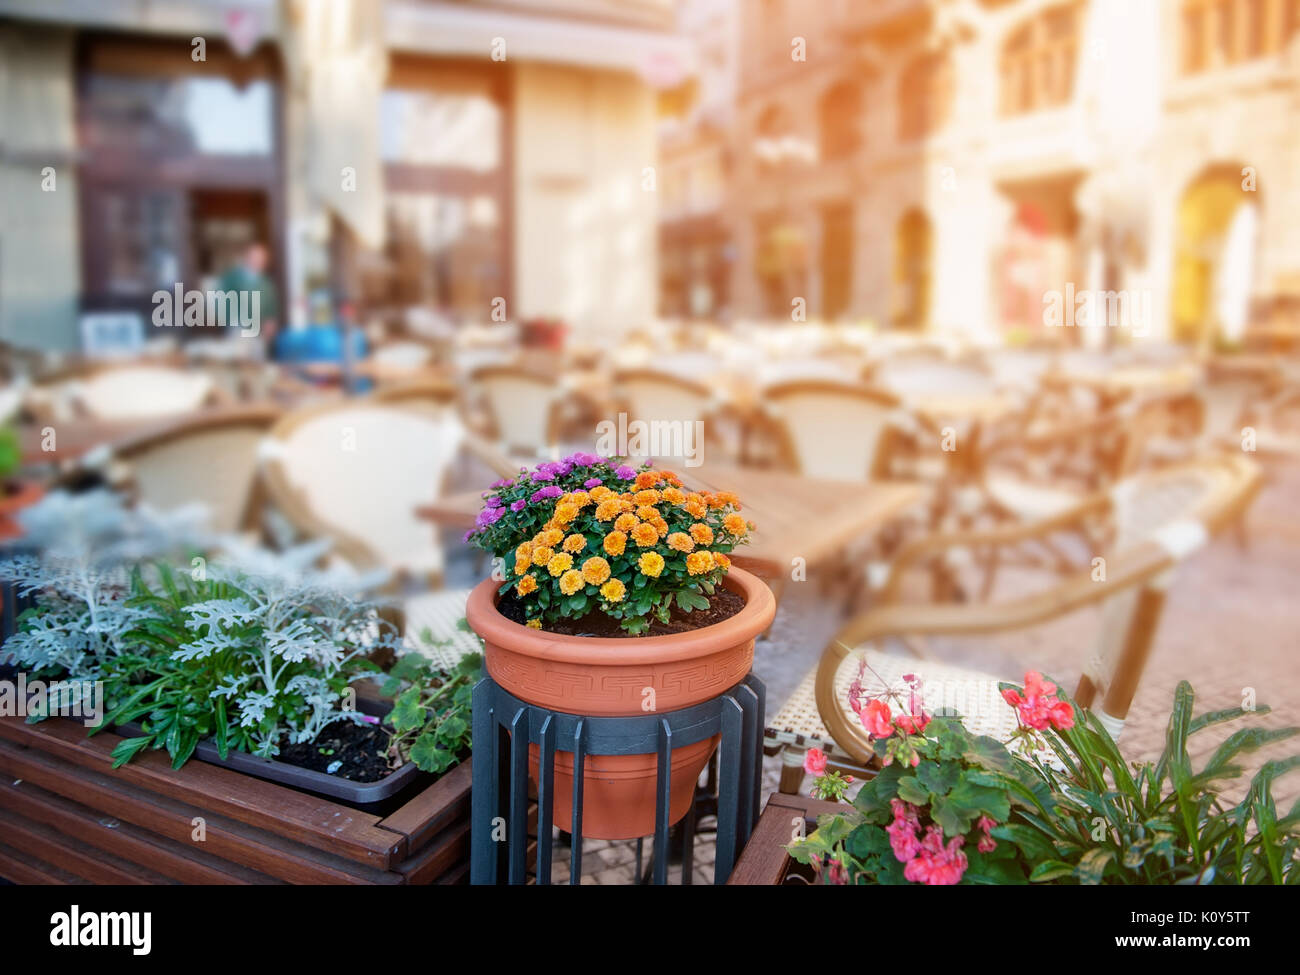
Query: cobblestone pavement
{"type": "Point", "coordinates": [1230, 625]}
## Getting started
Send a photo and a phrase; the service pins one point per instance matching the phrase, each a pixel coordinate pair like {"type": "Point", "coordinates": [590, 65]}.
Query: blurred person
{"type": "Point", "coordinates": [248, 274]}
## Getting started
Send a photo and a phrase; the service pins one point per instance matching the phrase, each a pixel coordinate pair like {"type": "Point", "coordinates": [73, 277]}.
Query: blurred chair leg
{"type": "Point", "coordinates": [792, 772]}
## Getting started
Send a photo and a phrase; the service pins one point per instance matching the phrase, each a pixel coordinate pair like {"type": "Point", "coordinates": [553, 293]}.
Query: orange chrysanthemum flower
{"type": "Point", "coordinates": [565, 513]}
{"type": "Point", "coordinates": [542, 555]}
{"type": "Point", "coordinates": [575, 543]}
{"type": "Point", "coordinates": [607, 509]}
{"type": "Point", "coordinates": [560, 563]}
{"type": "Point", "coordinates": [615, 543]}
{"type": "Point", "coordinates": [715, 501]}
{"type": "Point", "coordinates": [661, 526]}
{"type": "Point", "coordinates": [646, 497]}
{"type": "Point", "coordinates": [702, 533]}
{"type": "Point", "coordinates": [720, 558]}
{"type": "Point", "coordinates": [571, 582]}
{"type": "Point", "coordinates": [673, 496]}
{"type": "Point", "coordinates": [613, 591]}
{"type": "Point", "coordinates": [695, 508]}
{"type": "Point", "coordinates": [601, 493]}
{"type": "Point", "coordinates": [644, 535]}
{"type": "Point", "coordinates": [552, 537]}
{"type": "Point", "coordinates": [648, 479]}
{"type": "Point", "coordinates": [672, 478]}
{"type": "Point", "coordinates": [625, 522]}
{"type": "Point", "coordinates": [735, 524]}
{"type": "Point", "coordinates": [525, 585]}
{"type": "Point", "coordinates": [580, 498]}
{"type": "Point", "coordinates": [595, 570]}
{"type": "Point", "coordinates": [647, 513]}
{"type": "Point", "coordinates": [698, 563]}
{"type": "Point", "coordinates": [651, 564]}
{"type": "Point", "coordinates": [523, 557]}
{"type": "Point", "coordinates": [726, 497]}
{"type": "Point", "coordinates": [681, 542]}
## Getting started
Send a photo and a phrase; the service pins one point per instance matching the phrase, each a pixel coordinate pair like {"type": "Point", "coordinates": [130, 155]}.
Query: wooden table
{"type": "Point", "coordinates": [764, 862]}
{"type": "Point", "coordinates": [794, 517]}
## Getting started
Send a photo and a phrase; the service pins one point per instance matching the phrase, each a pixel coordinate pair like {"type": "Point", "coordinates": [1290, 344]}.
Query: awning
{"type": "Point", "coordinates": [663, 60]}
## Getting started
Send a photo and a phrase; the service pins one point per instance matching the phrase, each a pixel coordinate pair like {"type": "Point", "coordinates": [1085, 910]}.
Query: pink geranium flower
{"type": "Point", "coordinates": [1039, 708]}
{"type": "Point", "coordinates": [877, 719]}
{"type": "Point", "coordinates": [814, 763]}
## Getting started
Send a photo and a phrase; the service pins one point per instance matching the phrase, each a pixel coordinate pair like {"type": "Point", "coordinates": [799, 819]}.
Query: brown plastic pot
{"type": "Point", "coordinates": [14, 497]}
{"type": "Point", "coordinates": [608, 677]}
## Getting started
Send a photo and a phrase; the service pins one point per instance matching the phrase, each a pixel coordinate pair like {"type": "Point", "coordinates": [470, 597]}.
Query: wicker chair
{"type": "Point", "coordinates": [140, 391]}
{"type": "Point", "coordinates": [1159, 518]}
{"type": "Point", "coordinates": [522, 409]}
{"type": "Point", "coordinates": [651, 395]}
{"type": "Point", "coordinates": [209, 457]}
{"type": "Point", "coordinates": [836, 431]}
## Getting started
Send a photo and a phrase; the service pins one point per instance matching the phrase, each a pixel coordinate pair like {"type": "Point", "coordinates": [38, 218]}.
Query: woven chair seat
{"type": "Point", "coordinates": [439, 613]}
{"type": "Point", "coordinates": [945, 689]}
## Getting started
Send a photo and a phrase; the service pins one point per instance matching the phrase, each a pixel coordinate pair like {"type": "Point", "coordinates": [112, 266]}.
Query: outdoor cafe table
{"type": "Point", "coordinates": [794, 517]}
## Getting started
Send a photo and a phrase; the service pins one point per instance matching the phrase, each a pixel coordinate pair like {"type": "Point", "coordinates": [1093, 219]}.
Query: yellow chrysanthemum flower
{"type": "Point", "coordinates": [613, 591]}
{"type": "Point", "coordinates": [601, 493]}
{"type": "Point", "coordinates": [571, 582]}
{"type": "Point", "coordinates": [560, 563]}
{"type": "Point", "coordinates": [542, 555]}
{"type": "Point", "coordinates": [552, 537]}
{"type": "Point", "coordinates": [575, 543]}
{"type": "Point", "coordinates": [580, 498]}
{"type": "Point", "coordinates": [702, 533]}
{"type": "Point", "coordinates": [615, 543]}
{"type": "Point", "coordinates": [565, 513]}
{"type": "Point", "coordinates": [698, 563]}
{"type": "Point", "coordinates": [681, 542]}
{"type": "Point", "coordinates": [535, 623]}
{"type": "Point", "coordinates": [607, 509]}
{"type": "Point", "coordinates": [595, 570]}
{"type": "Point", "coordinates": [525, 585]}
{"type": "Point", "coordinates": [651, 564]}
{"type": "Point", "coordinates": [644, 535]}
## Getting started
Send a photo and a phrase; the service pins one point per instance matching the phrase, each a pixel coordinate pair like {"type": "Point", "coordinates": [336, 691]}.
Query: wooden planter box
{"type": "Point", "coordinates": [66, 816]}
{"type": "Point", "coordinates": [764, 861]}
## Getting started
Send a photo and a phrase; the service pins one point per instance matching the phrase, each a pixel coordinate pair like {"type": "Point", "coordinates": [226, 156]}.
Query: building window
{"type": "Point", "coordinates": [838, 110]}
{"type": "Point", "coordinates": [924, 96]}
{"type": "Point", "coordinates": [1221, 33]}
{"type": "Point", "coordinates": [1038, 59]}
{"type": "Point", "coordinates": [912, 253]}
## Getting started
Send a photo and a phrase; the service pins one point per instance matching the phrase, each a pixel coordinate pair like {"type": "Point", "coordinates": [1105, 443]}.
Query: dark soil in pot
{"type": "Point", "coordinates": [723, 604]}
{"type": "Point", "coordinates": [351, 751]}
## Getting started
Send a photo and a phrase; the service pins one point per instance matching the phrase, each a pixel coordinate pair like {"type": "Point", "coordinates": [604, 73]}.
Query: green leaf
{"type": "Point", "coordinates": [911, 790]}
{"type": "Point", "coordinates": [407, 713]}
{"type": "Point", "coordinates": [989, 753]}
{"type": "Point", "coordinates": [1051, 870]}
{"type": "Point", "coordinates": [428, 757]}
{"type": "Point", "coordinates": [128, 748]}
{"type": "Point", "coordinates": [1093, 864]}
{"type": "Point", "coordinates": [938, 777]}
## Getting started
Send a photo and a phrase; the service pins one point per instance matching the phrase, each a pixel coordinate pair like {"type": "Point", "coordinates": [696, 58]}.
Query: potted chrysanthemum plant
{"type": "Point", "coordinates": [613, 583]}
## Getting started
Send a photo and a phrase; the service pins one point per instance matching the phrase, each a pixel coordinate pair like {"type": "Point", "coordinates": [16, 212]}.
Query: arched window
{"type": "Point", "coordinates": [912, 252]}
{"type": "Point", "coordinates": [924, 96]}
{"type": "Point", "coordinates": [1219, 33]}
{"type": "Point", "coordinates": [839, 131]}
{"type": "Point", "coordinates": [1038, 59]}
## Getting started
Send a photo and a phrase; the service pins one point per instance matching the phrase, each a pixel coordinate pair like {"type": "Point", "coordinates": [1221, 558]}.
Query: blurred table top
{"type": "Point", "coordinates": [794, 516]}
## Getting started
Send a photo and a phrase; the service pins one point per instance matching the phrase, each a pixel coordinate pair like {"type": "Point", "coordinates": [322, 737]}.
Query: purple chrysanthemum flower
{"type": "Point", "coordinates": [502, 482]}
{"type": "Point", "coordinates": [625, 473]}
{"type": "Point", "coordinates": [550, 491]}
{"type": "Point", "coordinates": [592, 483]}
{"type": "Point", "coordinates": [494, 502]}
{"type": "Point", "coordinates": [518, 505]}
{"type": "Point", "coordinates": [489, 516]}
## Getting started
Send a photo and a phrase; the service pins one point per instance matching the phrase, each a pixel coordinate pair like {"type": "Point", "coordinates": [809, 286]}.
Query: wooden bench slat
{"type": "Point", "coordinates": [264, 851]}
{"type": "Point", "coordinates": [297, 816]}
{"type": "Point", "coordinates": [189, 865]}
{"type": "Point", "coordinates": [442, 803]}
{"type": "Point", "coordinates": [436, 858]}
{"type": "Point", "coordinates": [95, 865]}
{"type": "Point", "coordinates": [21, 868]}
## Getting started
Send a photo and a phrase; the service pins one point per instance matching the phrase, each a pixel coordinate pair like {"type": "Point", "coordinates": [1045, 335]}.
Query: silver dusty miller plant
{"type": "Point", "coordinates": [247, 647]}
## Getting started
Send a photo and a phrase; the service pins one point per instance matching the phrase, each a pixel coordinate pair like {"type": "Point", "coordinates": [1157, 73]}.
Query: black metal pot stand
{"type": "Point", "coordinates": [504, 727]}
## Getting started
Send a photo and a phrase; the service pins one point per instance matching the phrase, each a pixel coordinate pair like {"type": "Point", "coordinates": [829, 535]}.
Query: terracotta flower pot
{"type": "Point", "coordinates": [14, 497]}
{"type": "Point", "coordinates": [608, 676]}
